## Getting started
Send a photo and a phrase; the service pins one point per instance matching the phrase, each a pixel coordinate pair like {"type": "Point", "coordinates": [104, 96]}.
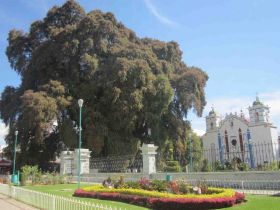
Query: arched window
{"type": "Point", "coordinates": [241, 143]}
{"type": "Point", "coordinates": [226, 139]}
{"type": "Point", "coordinates": [257, 117]}
{"type": "Point", "coordinates": [212, 125]}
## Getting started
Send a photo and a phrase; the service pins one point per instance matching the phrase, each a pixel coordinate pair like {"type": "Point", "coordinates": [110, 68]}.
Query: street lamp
{"type": "Point", "coordinates": [191, 159]}
{"type": "Point", "coordinates": [250, 149]}
{"type": "Point", "coordinates": [14, 177]}
{"type": "Point", "coordinates": [80, 103]}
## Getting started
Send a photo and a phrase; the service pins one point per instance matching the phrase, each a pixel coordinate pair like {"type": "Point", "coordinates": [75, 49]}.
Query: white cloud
{"type": "Point", "coordinates": [231, 105]}
{"type": "Point", "coordinates": [159, 16]}
{"type": "Point", "coordinates": [3, 132]}
{"type": "Point", "coordinates": [273, 101]}
{"type": "Point", "coordinates": [199, 132]}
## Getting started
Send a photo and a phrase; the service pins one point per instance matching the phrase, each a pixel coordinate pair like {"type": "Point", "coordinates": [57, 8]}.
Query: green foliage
{"type": "Point", "coordinates": [120, 183]}
{"type": "Point", "coordinates": [159, 185]}
{"type": "Point", "coordinates": [132, 185]}
{"type": "Point", "coordinates": [172, 166]}
{"type": "Point", "coordinates": [202, 184]}
{"type": "Point", "coordinates": [129, 85]}
{"type": "Point", "coordinates": [243, 166]}
{"type": "Point", "coordinates": [183, 187]}
{"type": "Point", "coordinates": [205, 166]}
{"type": "Point", "coordinates": [194, 150]}
{"type": "Point", "coordinates": [32, 175]}
{"type": "Point", "coordinates": [219, 166]}
{"type": "Point", "coordinates": [273, 166]}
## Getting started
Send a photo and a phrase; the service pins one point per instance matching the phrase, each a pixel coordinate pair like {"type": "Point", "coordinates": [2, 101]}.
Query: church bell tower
{"type": "Point", "coordinates": [259, 113]}
{"type": "Point", "coordinates": [212, 121]}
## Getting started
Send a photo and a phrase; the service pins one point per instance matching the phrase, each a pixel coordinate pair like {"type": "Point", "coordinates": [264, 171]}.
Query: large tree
{"type": "Point", "coordinates": [130, 85]}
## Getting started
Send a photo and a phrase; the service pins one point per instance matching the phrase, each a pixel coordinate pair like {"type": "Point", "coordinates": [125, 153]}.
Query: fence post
{"type": "Point", "coordinates": [53, 202]}
{"type": "Point", "coordinates": [13, 194]}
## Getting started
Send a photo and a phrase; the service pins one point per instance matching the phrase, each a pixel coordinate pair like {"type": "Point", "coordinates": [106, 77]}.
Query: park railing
{"type": "Point", "coordinates": [50, 202]}
{"type": "Point", "coordinates": [265, 187]}
{"type": "Point", "coordinates": [257, 156]}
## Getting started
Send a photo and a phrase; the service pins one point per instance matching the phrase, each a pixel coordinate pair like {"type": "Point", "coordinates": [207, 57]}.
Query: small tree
{"type": "Point", "coordinates": [205, 166]}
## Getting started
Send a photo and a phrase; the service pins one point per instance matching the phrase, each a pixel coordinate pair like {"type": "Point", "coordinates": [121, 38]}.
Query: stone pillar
{"type": "Point", "coordinates": [66, 162]}
{"type": "Point", "coordinates": [85, 156]}
{"type": "Point", "coordinates": [149, 158]}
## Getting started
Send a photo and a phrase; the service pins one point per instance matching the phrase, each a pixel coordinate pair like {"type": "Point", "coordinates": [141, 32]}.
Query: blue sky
{"type": "Point", "coordinates": [235, 41]}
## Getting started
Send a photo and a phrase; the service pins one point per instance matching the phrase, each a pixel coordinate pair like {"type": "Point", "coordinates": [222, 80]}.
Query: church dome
{"type": "Point", "coordinates": [212, 112]}
{"type": "Point", "coordinates": [257, 102]}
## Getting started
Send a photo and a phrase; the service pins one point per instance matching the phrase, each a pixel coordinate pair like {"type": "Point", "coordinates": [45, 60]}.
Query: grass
{"type": "Point", "coordinates": [67, 190]}
{"type": "Point", "coordinates": [254, 202]}
{"type": "Point", "coordinates": [258, 202]}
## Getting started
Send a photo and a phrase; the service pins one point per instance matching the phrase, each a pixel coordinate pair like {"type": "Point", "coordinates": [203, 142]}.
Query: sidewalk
{"type": "Point", "coordinates": [7, 203]}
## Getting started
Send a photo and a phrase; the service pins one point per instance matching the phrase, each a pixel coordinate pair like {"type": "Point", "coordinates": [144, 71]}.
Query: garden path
{"type": "Point", "coordinates": [7, 203]}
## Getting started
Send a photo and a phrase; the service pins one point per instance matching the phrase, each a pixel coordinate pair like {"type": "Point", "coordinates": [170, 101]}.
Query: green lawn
{"type": "Point", "coordinates": [258, 202]}
{"type": "Point", "coordinates": [67, 190]}
{"type": "Point", "coordinates": [254, 202]}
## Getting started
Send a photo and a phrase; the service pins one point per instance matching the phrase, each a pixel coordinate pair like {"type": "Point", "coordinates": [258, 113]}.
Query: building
{"type": "Point", "coordinates": [252, 140]}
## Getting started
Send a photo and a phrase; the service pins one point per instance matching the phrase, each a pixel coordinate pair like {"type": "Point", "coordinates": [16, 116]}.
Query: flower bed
{"type": "Point", "coordinates": [214, 198]}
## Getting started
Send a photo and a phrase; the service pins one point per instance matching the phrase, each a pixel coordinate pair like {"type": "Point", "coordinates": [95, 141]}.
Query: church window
{"type": "Point", "coordinates": [234, 142]}
{"type": "Point", "coordinates": [226, 139]}
{"type": "Point", "coordinates": [212, 125]}
{"type": "Point", "coordinates": [257, 117]}
{"type": "Point", "coordinates": [231, 124]}
{"type": "Point", "coordinates": [241, 143]}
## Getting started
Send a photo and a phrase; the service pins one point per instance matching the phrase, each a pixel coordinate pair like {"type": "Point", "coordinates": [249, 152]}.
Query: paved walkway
{"type": "Point", "coordinates": [7, 203]}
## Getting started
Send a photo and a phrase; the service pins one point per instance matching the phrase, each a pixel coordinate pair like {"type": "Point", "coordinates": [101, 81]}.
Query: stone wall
{"type": "Point", "coordinates": [224, 176]}
{"type": "Point", "coordinates": [220, 176]}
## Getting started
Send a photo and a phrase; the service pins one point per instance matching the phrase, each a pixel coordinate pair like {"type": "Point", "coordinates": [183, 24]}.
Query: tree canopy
{"type": "Point", "coordinates": [130, 85]}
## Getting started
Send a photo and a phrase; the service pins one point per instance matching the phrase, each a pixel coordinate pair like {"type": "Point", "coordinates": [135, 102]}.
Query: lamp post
{"type": "Point", "coordinates": [220, 148]}
{"type": "Point", "coordinates": [252, 162]}
{"type": "Point", "coordinates": [80, 103]}
{"type": "Point", "coordinates": [191, 159]}
{"type": "Point", "coordinates": [14, 179]}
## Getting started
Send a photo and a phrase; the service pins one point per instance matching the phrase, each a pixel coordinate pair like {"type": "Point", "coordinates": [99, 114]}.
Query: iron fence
{"type": "Point", "coordinates": [253, 156]}
{"type": "Point", "coordinates": [115, 164]}
{"type": "Point", "coordinates": [257, 156]}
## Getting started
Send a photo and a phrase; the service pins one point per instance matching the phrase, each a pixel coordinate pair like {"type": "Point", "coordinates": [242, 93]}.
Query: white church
{"type": "Point", "coordinates": [252, 140]}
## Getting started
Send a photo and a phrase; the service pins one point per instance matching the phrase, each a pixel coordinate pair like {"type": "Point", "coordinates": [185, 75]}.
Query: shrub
{"type": "Point", "coordinates": [172, 166]}
{"type": "Point", "coordinates": [243, 167]}
{"type": "Point", "coordinates": [145, 183]}
{"type": "Point", "coordinates": [219, 166]}
{"type": "Point", "coordinates": [203, 186]}
{"type": "Point", "coordinates": [30, 173]}
{"type": "Point", "coordinates": [120, 183]}
{"type": "Point", "coordinates": [183, 187]}
{"type": "Point", "coordinates": [205, 166]}
{"type": "Point", "coordinates": [159, 185]}
{"type": "Point", "coordinates": [273, 166]}
{"type": "Point", "coordinates": [173, 187]}
{"type": "Point", "coordinates": [132, 185]}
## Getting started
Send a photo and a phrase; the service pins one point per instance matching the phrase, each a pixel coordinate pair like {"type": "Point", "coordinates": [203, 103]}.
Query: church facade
{"type": "Point", "coordinates": [252, 140]}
